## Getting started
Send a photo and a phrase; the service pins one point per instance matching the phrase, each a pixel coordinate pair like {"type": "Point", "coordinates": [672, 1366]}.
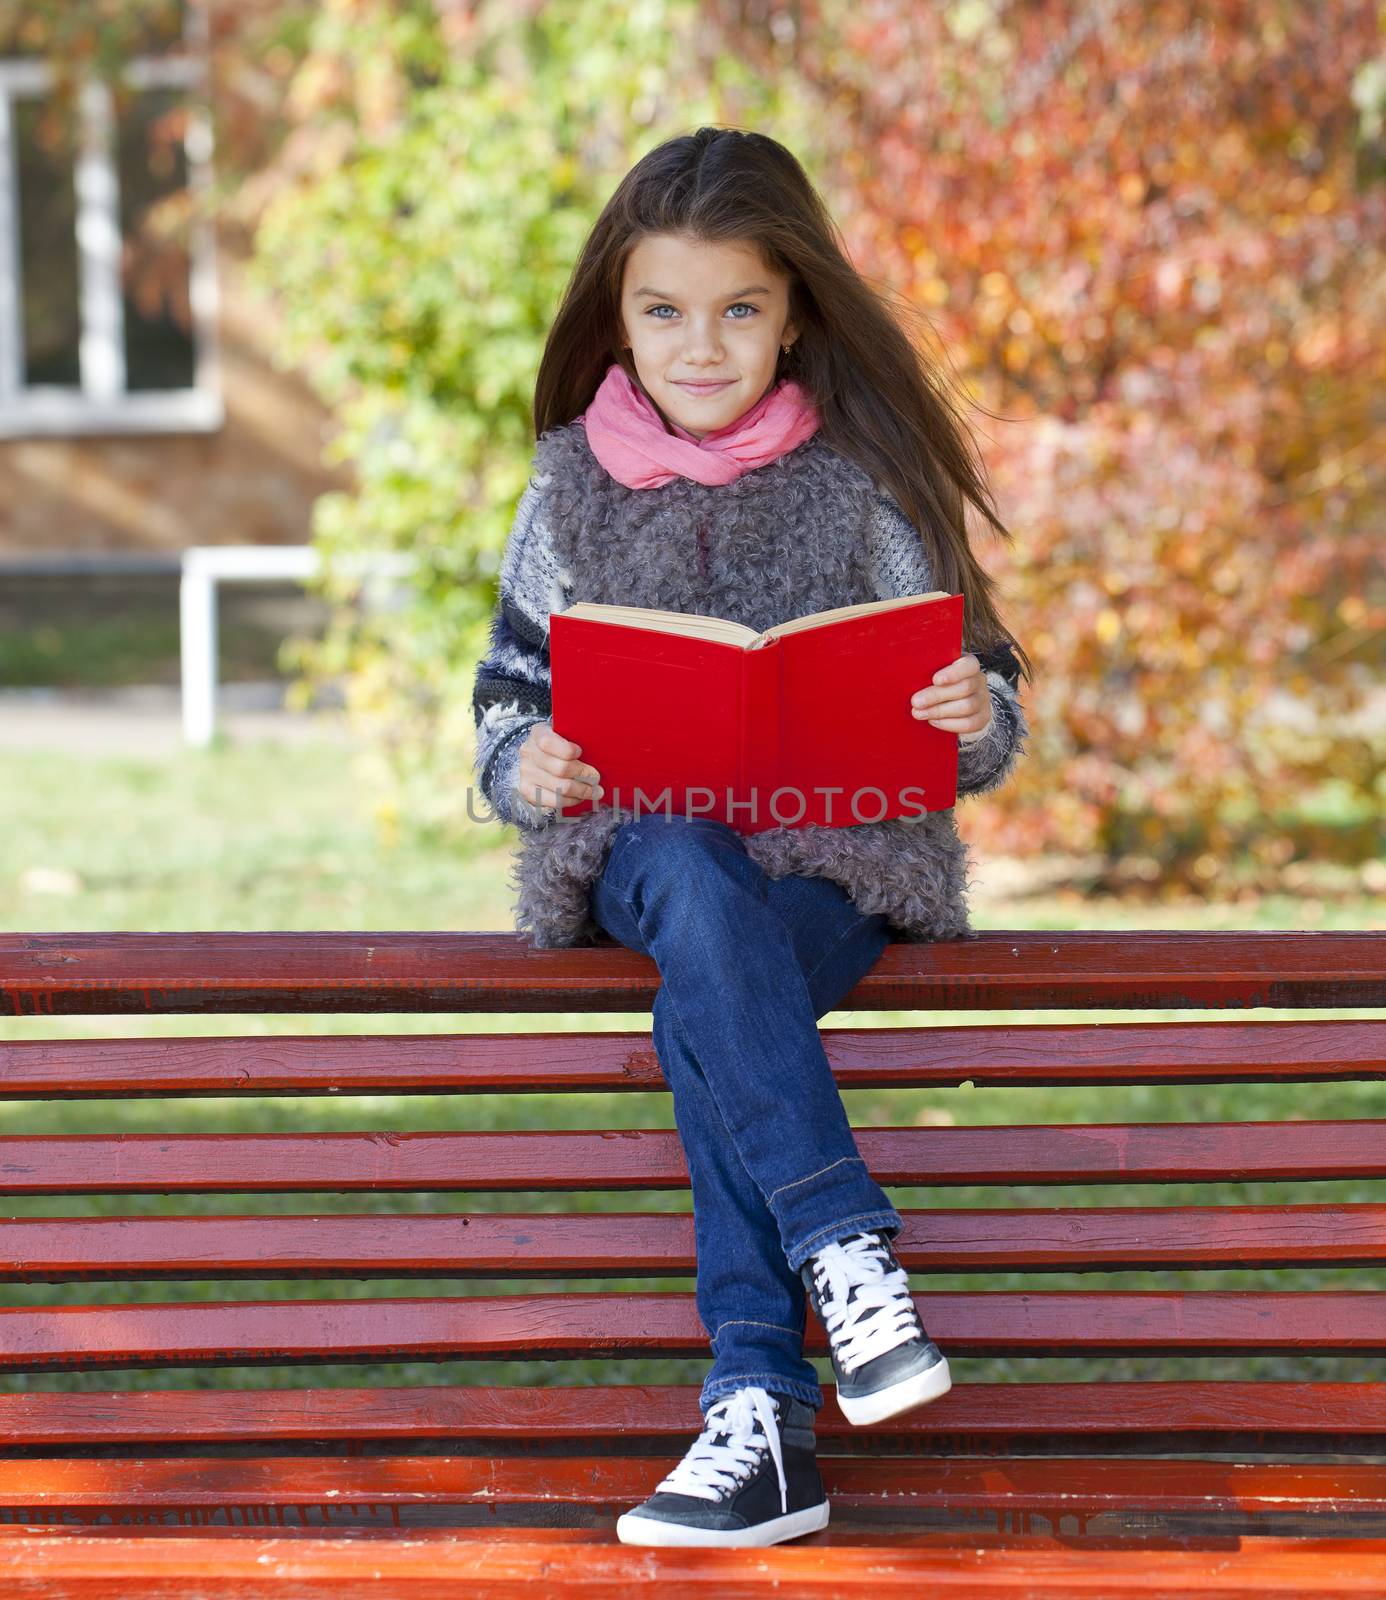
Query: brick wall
{"type": "Point", "coordinates": [252, 482]}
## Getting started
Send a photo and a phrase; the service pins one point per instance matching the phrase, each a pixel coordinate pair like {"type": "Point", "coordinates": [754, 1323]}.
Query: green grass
{"type": "Point", "coordinates": [261, 837]}
{"type": "Point", "coordinates": [243, 836]}
{"type": "Point", "coordinates": [133, 647]}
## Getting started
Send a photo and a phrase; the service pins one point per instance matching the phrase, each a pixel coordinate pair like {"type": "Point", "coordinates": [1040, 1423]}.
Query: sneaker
{"type": "Point", "coordinates": [884, 1361]}
{"type": "Point", "coordinates": [750, 1478]}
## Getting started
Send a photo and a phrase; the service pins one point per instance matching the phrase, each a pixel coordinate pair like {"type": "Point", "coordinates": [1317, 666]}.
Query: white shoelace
{"type": "Point", "coordinates": [728, 1450]}
{"type": "Point", "coordinates": [879, 1316]}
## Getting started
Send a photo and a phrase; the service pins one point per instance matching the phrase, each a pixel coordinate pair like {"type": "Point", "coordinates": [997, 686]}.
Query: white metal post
{"type": "Point", "coordinates": [207, 565]}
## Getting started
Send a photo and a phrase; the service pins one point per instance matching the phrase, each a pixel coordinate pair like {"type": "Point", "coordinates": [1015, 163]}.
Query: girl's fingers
{"type": "Point", "coordinates": [971, 687]}
{"type": "Point", "coordinates": [572, 786]}
{"type": "Point", "coordinates": [967, 706]}
{"type": "Point", "coordinates": [557, 771]}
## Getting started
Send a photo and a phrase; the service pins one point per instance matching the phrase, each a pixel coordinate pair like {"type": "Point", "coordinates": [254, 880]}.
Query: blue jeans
{"type": "Point", "coordinates": [748, 964]}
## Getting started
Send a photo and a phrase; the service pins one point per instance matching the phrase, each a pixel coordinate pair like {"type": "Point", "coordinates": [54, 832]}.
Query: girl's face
{"type": "Point", "coordinates": [703, 313]}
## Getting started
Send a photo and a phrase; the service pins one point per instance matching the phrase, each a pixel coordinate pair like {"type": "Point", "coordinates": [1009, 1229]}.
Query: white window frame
{"type": "Point", "coordinates": [101, 404]}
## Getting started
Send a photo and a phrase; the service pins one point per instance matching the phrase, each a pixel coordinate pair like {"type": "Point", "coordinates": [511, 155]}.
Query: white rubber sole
{"type": "Point", "coordinates": [631, 1529]}
{"type": "Point", "coordinates": [903, 1396]}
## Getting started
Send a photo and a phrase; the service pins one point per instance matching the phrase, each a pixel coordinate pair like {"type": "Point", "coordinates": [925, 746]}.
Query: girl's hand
{"type": "Point", "coordinates": [549, 768]}
{"type": "Point", "coordinates": [958, 701]}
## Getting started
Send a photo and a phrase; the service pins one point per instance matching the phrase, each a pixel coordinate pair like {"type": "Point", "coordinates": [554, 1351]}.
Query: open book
{"type": "Point", "coordinates": [806, 722]}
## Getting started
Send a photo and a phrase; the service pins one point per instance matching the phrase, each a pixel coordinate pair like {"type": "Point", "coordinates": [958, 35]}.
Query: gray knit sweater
{"type": "Point", "coordinates": [802, 534]}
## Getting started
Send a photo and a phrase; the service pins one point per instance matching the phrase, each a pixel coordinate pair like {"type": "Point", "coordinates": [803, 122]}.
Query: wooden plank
{"type": "Point", "coordinates": [111, 1564]}
{"type": "Point", "coordinates": [1036, 1153]}
{"type": "Point", "coordinates": [629, 1245]}
{"type": "Point", "coordinates": [552, 1327]}
{"type": "Point", "coordinates": [33, 1490]}
{"type": "Point", "coordinates": [971, 1419]}
{"type": "Point", "coordinates": [987, 1055]}
{"type": "Point", "coordinates": [83, 973]}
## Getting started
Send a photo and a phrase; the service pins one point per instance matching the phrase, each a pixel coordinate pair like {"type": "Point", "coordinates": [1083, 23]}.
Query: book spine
{"type": "Point", "coordinates": [736, 815]}
{"type": "Point", "coordinates": [759, 763]}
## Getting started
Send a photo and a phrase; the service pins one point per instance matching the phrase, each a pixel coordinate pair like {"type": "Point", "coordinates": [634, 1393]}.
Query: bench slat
{"type": "Point", "coordinates": [48, 974]}
{"type": "Point", "coordinates": [990, 1056]}
{"type": "Point", "coordinates": [972, 1418]}
{"type": "Point", "coordinates": [986, 1564]}
{"type": "Point", "coordinates": [286, 1163]}
{"type": "Point", "coordinates": [1055, 1487]}
{"type": "Point", "coordinates": [551, 1327]}
{"type": "Point", "coordinates": [628, 1245]}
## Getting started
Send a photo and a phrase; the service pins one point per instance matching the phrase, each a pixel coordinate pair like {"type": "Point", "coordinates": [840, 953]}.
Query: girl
{"type": "Point", "coordinates": [730, 422]}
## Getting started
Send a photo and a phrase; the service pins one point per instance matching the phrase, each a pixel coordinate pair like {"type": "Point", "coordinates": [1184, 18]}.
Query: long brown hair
{"type": "Point", "coordinates": [882, 402]}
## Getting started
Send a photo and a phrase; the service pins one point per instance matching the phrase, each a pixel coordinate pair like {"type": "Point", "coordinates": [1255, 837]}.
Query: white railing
{"type": "Point", "coordinates": [205, 567]}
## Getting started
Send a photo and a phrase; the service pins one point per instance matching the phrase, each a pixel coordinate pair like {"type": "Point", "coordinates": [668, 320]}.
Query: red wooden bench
{"type": "Point", "coordinates": [1104, 1488]}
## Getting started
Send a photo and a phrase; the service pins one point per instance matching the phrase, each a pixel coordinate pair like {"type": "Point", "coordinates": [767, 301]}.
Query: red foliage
{"type": "Point", "coordinates": [1150, 239]}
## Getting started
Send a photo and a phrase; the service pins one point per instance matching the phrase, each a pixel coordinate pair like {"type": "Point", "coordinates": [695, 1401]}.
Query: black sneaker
{"type": "Point", "coordinates": [749, 1478]}
{"type": "Point", "coordinates": [884, 1361]}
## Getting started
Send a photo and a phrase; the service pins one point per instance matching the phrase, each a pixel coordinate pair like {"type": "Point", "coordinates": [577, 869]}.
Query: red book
{"type": "Point", "coordinates": [810, 721]}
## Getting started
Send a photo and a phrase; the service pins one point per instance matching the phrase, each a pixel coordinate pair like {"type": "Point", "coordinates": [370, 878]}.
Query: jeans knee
{"type": "Point", "coordinates": [657, 850]}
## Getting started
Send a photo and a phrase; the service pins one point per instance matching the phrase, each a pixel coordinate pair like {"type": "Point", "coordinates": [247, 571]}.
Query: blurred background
{"type": "Point", "coordinates": [277, 274]}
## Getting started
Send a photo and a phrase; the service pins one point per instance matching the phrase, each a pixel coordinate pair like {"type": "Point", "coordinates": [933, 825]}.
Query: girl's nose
{"type": "Point", "coordinates": [702, 340]}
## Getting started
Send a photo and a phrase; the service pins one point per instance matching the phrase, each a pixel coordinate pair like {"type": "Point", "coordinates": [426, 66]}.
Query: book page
{"type": "Point", "coordinates": [820, 619]}
{"type": "Point", "coordinates": [682, 622]}
{"type": "Point", "coordinates": [721, 630]}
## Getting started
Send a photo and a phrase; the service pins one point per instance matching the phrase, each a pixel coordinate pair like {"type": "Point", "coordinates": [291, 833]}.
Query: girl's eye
{"type": "Point", "coordinates": [755, 311]}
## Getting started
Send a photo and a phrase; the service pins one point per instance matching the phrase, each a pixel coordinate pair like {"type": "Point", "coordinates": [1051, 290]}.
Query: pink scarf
{"type": "Point", "coordinates": [630, 440]}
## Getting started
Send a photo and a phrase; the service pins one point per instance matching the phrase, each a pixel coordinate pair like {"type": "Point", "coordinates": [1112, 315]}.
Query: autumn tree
{"type": "Point", "coordinates": [1149, 239]}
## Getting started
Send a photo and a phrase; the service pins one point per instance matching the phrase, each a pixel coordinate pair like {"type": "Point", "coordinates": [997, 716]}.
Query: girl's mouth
{"type": "Point", "coordinates": [706, 388]}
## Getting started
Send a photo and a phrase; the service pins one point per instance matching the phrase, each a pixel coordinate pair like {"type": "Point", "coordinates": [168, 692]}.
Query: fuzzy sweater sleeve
{"type": "Point", "coordinates": [901, 567]}
{"type": "Point", "coordinates": [512, 689]}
